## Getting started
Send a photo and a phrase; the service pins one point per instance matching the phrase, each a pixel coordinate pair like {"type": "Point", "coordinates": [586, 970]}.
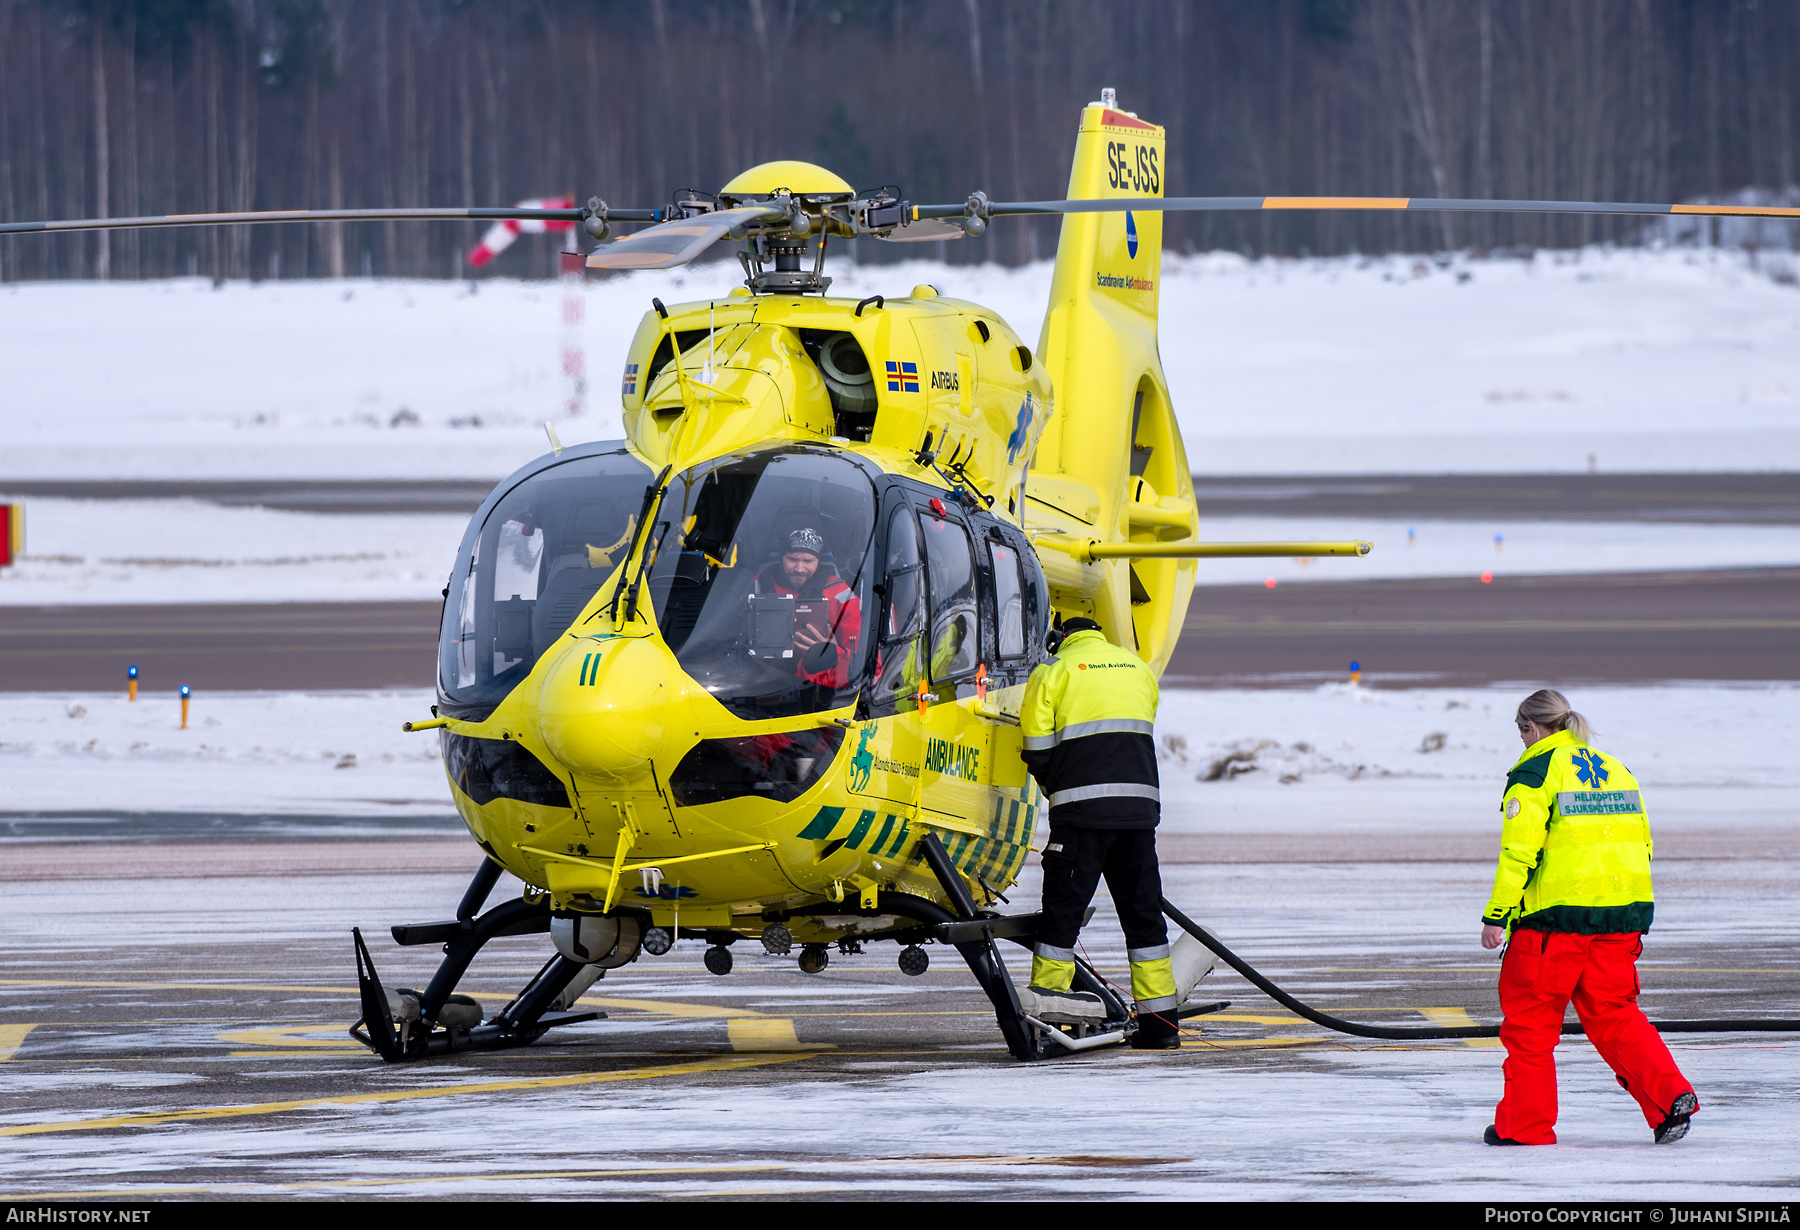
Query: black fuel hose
{"type": "Point", "coordinates": [1418, 1032]}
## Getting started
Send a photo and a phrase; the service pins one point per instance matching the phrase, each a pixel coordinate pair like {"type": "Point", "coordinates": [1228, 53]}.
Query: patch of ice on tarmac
{"type": "Point", "coordinates": [1318, 1124]}
{"type": "Point", "coordinates": [77, 1078]}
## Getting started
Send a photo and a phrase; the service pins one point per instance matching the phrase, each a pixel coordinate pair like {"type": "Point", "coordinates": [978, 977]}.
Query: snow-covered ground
{"type": "Point", "coordinates": [1643, 360]}
{"type": "Point", "coordinates": [245, 752]}
{"type": "Point", "coordinates": [1348, 758]}
{"type": "Point", "coordinates": [157, 551]}
{"type": "Point", "coordinates": [1340, 758]}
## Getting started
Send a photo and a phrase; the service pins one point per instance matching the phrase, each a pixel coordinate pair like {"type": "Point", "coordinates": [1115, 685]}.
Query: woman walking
{"type": "Point", "coordinates": [1573, 894]}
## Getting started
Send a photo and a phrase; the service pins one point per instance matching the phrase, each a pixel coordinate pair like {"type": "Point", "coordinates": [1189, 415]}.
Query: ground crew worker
{"type": "Point", "coordinates": [1088, 721]}
{"type": "Point", "coordinates": [1573, 893]}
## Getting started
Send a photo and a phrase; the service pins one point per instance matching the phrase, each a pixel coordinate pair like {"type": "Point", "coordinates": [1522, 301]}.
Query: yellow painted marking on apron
{"type": "Point", "coordinates": [1457, 1018]}
{"type": "Point", "coordinates": [401, 1095]}
{"type": "Point", "coordinates": [669, 1007]}
{"type": "Point", "coordinates": [767, 1034]}
{"type": "Point", "coordinates": [506, 1176]}
{"type": "Point", "coordinates": [12, 1037]}
{"type": "Point", "coordinates": [285, 1035]}
{"type": "Point", "coordinates": [1203, 1044]}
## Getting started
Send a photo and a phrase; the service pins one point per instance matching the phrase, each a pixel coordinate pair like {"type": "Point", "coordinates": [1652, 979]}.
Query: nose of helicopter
{"type": "Point", "coordinates": [606, 707]}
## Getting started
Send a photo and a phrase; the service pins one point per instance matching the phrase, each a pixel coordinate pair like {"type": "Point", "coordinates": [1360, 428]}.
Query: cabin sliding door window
{"type": "Point", "coordinates": [899, 663]}
{"type": "Point", "coordinates": [955, 613]}
{"type": "Point", "coordinates": [1009, 599]}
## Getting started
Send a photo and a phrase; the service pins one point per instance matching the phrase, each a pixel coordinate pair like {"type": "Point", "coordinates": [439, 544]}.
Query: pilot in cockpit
{"type": "Point", "coordinates": [828, 614]}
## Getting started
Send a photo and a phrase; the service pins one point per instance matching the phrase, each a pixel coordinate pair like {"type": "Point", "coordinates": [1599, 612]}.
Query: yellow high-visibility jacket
{"type": "Point", "coordinates": [1575, 844]}
{"type": "Point", "coordinates": [1089, 721]}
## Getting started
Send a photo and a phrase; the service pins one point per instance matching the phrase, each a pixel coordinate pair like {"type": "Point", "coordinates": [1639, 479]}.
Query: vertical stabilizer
{"type": "Point", "coordinates": [1111, 465]}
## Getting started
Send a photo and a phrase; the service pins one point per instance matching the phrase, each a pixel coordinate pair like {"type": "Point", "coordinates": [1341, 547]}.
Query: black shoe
{"type": "Point", "coordinates": [1675, 1126]}
{"type": "Point", "coordinates": [1156, 1032]}
{"type": "Point", "coordinates": [1493, 1137]}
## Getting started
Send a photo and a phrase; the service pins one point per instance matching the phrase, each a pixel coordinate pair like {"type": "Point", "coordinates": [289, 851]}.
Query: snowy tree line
{"type": "Point", "coordinates": [123, 107]}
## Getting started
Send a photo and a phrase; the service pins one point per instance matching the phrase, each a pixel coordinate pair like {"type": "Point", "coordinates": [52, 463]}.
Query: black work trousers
{"type": "Point", "coordinates": [1127, 858]}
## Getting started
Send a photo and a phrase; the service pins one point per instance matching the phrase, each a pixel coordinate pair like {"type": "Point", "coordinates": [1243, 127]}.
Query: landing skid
{"type": "Point", "coordinates": [974, 936]}
{"type": "Point", "coordinates": [401, 1026]}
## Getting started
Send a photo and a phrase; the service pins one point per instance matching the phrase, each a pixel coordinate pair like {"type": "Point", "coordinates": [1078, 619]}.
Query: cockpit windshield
{"type": "Point", "coordinates": [759, 581]}
{"type": "Point", "coordinates": [542, 552]}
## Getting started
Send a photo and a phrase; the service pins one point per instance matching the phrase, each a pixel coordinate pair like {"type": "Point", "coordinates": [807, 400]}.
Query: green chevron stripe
{"type": "Point", "coordinates": [822, 824]}
{"type": "Point", "coordinates": [861, 830]}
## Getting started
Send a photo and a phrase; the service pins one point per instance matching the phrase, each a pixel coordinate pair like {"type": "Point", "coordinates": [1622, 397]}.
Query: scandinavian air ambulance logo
{"type": "Point", "coordinates": [1131, 242]}
{"type": "Point", "coordinates": [863, 762]}
{"type": "Point", "coordinates": [902, 377]}
{"type": "Point", "coordinates": [1021, 431]}
{"type": "Point", "coordinates": [1590, 767]}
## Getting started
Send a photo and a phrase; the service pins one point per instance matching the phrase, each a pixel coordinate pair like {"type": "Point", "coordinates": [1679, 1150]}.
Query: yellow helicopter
{"type": "Point", "coordinates": [753, 672]}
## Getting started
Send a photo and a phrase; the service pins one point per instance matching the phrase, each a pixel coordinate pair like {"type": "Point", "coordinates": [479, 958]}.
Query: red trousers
{"type": "Point", "coordinates": [1542, 971]}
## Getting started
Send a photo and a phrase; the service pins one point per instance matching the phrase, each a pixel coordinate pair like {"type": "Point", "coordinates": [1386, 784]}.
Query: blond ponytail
{"type": "Point", "coordinates": [1550, 710]}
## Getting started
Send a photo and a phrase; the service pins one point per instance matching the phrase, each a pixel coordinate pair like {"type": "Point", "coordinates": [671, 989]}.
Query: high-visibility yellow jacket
{"type": "Point", "coordinates": [1089, 721]}
{"type": "Point", "coordinates": [1575, 844]}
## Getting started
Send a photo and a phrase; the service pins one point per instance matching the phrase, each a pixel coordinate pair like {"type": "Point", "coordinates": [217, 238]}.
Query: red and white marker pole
{"type": "Point", "coordinates": [574, 316]}
{"type": "Point", "coordinates": [500, 236]}
{"type": "Point", "coordinates": [574, 303]}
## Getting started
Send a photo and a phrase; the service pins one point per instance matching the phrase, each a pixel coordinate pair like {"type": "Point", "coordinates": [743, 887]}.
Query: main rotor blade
{"type": "Point", "coordinates": [678, 241]}
{"type": "Point", "coordinates": [324, 215]}
{"type": "Point", "coordinates": [928, 230]}
{"type": "Point", "coordinates": [1414, 204]}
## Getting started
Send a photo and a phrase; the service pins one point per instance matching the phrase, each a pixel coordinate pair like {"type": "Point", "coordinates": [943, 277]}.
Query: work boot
{"type": "Point", "coordinates": [1156, 1031]}
{"type": "Point", "coordinates": [1493, 1137]}
{"type": "Point", "coordinates": [1675, 1126]}
{"type": "Point", "coordinates": [1062, 1007]}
